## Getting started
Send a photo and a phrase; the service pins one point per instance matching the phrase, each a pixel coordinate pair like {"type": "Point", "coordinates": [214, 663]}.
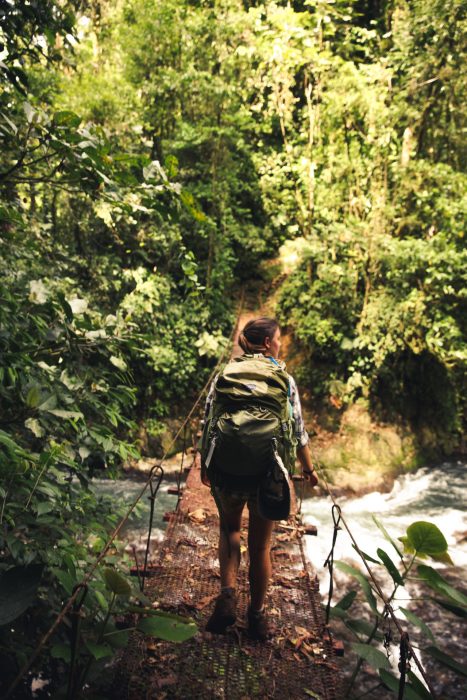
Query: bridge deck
{"type": "Point", "coordinates": [296, 663]}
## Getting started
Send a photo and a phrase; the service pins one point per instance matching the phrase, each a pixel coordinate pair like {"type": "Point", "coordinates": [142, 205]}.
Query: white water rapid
{"type": "Point", "coordinates": [434, 494]}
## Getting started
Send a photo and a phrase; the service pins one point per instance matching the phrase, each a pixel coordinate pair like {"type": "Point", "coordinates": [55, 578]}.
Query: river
{"type": "Point", "coordinates": [435, 494]}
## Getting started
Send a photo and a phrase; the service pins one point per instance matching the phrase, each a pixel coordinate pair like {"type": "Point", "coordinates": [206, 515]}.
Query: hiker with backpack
{"type": "Point", "coordinates": [253, 431]}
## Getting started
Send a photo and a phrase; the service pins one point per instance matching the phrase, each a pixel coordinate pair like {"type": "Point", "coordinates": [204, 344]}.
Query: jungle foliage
{"type": "Point", "coordinates": [153, 156]}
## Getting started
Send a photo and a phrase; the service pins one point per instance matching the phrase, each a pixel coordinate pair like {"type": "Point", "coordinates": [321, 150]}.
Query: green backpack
{"type": "Point", "coordinates": [250, 420]}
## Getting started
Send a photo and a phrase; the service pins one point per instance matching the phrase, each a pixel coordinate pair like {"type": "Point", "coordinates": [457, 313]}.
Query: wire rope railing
{"type": "Point", "coordinates": [74, 600]}
{"type": "Point", "coordinates": [407, 652]}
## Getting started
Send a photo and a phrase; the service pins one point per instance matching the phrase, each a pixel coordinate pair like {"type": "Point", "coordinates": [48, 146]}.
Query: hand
{"type": "Point", "coordinates": [310, 476]}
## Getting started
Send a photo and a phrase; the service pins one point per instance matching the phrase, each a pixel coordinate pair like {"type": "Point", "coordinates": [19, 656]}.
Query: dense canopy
{"type": "Point", "coordinates": [158, 157]}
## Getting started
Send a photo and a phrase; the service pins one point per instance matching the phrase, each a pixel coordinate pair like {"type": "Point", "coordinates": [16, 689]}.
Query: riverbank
{"type": "Point", "coordinates": [358, 454]}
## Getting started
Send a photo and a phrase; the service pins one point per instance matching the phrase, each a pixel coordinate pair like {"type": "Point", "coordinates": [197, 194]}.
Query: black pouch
{"type": "Point", "coordinates": [274, 491]}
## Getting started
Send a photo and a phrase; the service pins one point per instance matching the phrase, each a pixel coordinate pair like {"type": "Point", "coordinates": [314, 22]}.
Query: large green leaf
{"type": "Point", "coordinates": [18, 588]}
{"type": "Point", "coordinates": [426, 538]}
{"type": "Point", "coordinates": [392, 683]}
{"type": "Point", "coordinates": [373, 656]}
{"type": "Point", "coordinates": [415, 620]}
{"type": "Point", "coordinates": [434, 579]}
{"type": "Point", "coordinates": [391, 567]}
{"type": "Point", "coordinates": [352, 571]}
{"type": "Point", "coordinates": [447, 660]}
{"type": "Point", "coordinates": [171, 628]}
{"type": "Point", "coordinates": [116, 583]}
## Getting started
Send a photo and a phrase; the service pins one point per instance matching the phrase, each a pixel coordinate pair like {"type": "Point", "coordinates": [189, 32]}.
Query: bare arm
{"type": "Point", "coordinates": [308, 470]}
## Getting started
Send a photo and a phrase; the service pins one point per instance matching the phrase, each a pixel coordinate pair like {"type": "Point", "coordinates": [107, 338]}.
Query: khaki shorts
{"type": "Point", "coordinates": [227, 500]}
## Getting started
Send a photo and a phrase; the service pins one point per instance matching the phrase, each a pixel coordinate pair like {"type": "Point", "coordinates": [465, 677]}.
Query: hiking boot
{"type": "Point", "coordinates": [258, 626]}
{"type": "Point", "coordinates": [225, 612]}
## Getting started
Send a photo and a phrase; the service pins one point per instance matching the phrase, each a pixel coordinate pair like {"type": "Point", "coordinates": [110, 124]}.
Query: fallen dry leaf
{"type": "Point", "coordinates": [167, 680]}
{"type": "Point", "coordinates": [285, 537]}
{"type": "Point", "coordinates": [186, 542]}
{"type": "Point", "coordinates": [198, 516]}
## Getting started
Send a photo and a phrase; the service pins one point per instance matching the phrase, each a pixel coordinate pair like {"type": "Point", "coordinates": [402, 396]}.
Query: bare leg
{"type": "Point", "coordinates": [229, 546]}
{"type": "Point", "coordinates": [225, 612]}
{"type": "Point", "coordinates": [259, 544]}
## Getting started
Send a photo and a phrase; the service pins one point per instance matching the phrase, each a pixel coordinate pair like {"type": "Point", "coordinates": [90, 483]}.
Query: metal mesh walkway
{"type": "Point", "coordinates": [296, 663]}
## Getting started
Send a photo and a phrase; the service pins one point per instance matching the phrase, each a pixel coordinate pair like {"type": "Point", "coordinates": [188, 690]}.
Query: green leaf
{"type": "Point", "coordinates": [455, 609]}
{"type": "Point", "coordinates": [311, 693]}
{"type": "Point", "coordinates": [364, 627]}
{"type": "Point", "coordinates": [33, 397]}
{"type": "Point", "coordinates": [443, 558]}
{"type": "Point", "coordinates": [433, 579]}
{"type": "Point", "coordinates": [66, 307]}
{"type": "Point", "coordinates": [392, 683]}
{"type": "Point", "coordinates": [61, 651]}
{"type": "Point", "coordinates": [60, 413]}
{"type": "Point", "coordinates": [387, 536]}
{"type": "Point", "coordinates": [119, 363]}
{"type": "Point", "coordinates": [367, 556]}
{"type": "Point", "coordinates": [11, 445]}
{"type": "Point", "coordinates": [391, 567]}
{"type": "Point", "coordinates": [35, 427]}
{"type": "Point", "coordinates": [99, 651]}
{"type": "Point", "coordinates": [408, 549]}
{"type": "Point", "coordinates": [44, 507]}
{"type": "Point", "coordinates": [29, 111]}
{"type": "Point", "coordinates": [447, 660]}
{"type": "Point", "coordinates": [65, 579]}
{"type": "Point", "coordinates": [67, 119]}
{"type": "Point", "coordinates": [18, 589]}
{"type": "Point", "coordinates": [347, 569]}
{"type": "Point", "coordinates": [102, 600]}
{"type": "Point", "coordinates": [49, 403]}
{"type": "Point", "coordinates": [117, 639]}
{"type": "Point", "coordinates": [345, 602]}
{"type": "Point", "coordinates": [415, 620]}
{"type": "Point", "coordinates": [338, 612]}
{"type": "Point", "coordinates": [373, 656]}
{"type": "Point", "coordinates": [171, 628]}
{"type": "Point", "coordinates": [426, 538]}
{"type": "Point", "coordinates": [418, 687]}
{"type": "Point", "coordinates": [116, 583]}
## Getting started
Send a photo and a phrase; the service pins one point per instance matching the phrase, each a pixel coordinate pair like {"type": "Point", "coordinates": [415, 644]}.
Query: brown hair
{"type": "Point", "coordinates": [252, 338]}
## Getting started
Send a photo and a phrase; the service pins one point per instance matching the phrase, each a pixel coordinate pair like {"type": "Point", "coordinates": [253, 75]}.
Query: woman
{"type": "Point", "coordinates": [259, 336]}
